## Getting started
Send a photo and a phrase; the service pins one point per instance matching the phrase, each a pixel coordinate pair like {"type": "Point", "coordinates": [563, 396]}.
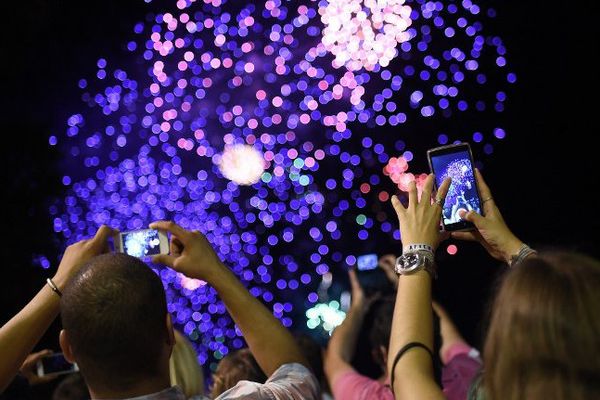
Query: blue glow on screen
{"type": "Point", "coordinates": [141, 243]}
{"type": "Point", "coordinates": [462, 194]}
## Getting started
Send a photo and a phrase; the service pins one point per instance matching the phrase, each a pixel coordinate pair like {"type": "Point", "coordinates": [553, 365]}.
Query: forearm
{"type": "Point", "coordinates": [19, 336]}
{"type": "Point", "coordinates": [413, 322]}
{"type": "Point", "coordinates": [271, 344]}
{"type": "Point", "coordinates": [343, 339]}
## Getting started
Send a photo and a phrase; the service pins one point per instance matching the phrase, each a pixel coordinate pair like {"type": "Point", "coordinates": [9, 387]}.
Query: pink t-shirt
{"type": "Point", "coordinates": [353, 386]}
{"type": "Point", "coordinates": [463, 364]}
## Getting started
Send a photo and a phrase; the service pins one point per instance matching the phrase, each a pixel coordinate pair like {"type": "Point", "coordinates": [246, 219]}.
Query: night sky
{"type": "Point", "coordinates": [542, 175]}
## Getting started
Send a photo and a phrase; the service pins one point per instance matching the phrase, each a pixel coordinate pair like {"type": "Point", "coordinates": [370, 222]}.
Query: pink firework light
{"type": "Point", "coordinates": [397, 168]}
{"type": "Point", "coordinates": [363, 34]}
{"type": "Point", "coordinates": [241, 163]}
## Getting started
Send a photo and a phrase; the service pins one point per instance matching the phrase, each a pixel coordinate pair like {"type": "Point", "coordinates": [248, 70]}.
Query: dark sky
{"type": "Point", "coordinates": [543, 178]}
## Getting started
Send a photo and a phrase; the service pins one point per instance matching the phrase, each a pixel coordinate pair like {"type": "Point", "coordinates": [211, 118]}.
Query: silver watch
{"type": "Point", "coordinates": [412, 262]}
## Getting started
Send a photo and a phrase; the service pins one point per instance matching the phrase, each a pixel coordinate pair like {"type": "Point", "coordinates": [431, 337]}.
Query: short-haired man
{"type": "Point", "coordinates": [118, 330]}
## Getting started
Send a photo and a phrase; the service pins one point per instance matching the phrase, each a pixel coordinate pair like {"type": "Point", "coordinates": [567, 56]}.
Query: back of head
{"type": "Point", "coordinates": [380, 329]}
{"type": "Point", "coordinates": [543, 336]}
{"type": "Point", "coordinates": [234, 367]}
{"type": "Point", "coordinates": [114, 314]}
{"type": "Point", "coordinates": [184, 369]}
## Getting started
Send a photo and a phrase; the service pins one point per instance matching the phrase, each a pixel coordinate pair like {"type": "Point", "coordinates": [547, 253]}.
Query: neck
{"type": "Point", "coordinates": [143, 387]}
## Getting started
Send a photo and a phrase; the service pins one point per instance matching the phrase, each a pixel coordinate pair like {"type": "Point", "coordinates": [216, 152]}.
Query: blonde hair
{"type": "Point", "coordinates": [185, 371]}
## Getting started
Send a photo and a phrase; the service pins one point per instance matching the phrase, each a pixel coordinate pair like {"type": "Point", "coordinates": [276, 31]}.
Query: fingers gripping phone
{"type": "Point", "coordinates": [142, 243]}
{"type": "Point", "coordinates": [456, 162]}
{"type": "Point", "coordinates": [55, 364]}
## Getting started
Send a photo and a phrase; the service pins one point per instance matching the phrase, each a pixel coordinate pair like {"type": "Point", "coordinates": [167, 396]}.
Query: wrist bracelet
{"type": "Point", "coordinates": [417, 247]}
{"type": "Point", "coordinates": [53, 286]}
{"type": "Point", "coordinates": [524, 252]}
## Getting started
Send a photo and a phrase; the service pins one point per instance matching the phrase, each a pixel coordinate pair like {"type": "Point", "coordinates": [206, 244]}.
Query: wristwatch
{"type": "Point", "coordinates": [412, 262]}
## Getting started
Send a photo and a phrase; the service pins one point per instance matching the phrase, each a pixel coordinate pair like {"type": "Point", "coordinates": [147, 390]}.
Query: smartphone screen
{"type": "Point", "coordinates": [55, 364]}
{"type": "Point", "coordinates": [456, 162]}
{"type": "Point", "coordinates": [366, 262]}
{"type": "Point", "coordinates": [141, 243]}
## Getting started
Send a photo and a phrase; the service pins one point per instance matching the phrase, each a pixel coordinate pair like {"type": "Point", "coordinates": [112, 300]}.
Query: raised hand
{"type": "Point", "coordinates": [29, 367]}
{"type": "Point", "coordinates": [77, 254]}
{"type": "Point", "coordinates": [190, 252]}
{"type": "Point", "coordinates": [359, 299]}
{"type": "Point", "coordinates": [492, 232]}
{"type": "Point", "coordinates": [420, 220]}
{"type": "Point", "coordinates": [387, 263]}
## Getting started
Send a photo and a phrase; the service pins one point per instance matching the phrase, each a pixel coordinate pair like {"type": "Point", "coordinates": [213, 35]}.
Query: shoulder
{"type": "Point", "coordinates": [290, 381]}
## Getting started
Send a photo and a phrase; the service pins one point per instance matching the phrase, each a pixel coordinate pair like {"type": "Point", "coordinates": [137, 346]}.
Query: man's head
{"type": "Point", "coordinates": [116, 325]}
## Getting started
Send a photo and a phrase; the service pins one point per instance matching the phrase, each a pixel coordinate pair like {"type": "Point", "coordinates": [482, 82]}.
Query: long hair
{"type": "Point", "coordinates": [185, 371]}
{"type": "Point", "coordinates": [544, 335]}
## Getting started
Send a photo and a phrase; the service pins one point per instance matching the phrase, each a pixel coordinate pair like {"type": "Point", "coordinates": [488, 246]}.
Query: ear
{"type": "Point", "coordinates": [65, 346]}
{"type": "Point", "coordinates": [170, 332]}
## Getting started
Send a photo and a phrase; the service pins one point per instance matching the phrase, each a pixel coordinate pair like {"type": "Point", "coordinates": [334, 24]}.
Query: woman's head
{"type": "Point", "coordinates": [544, 336]}
{"type": "Point", "coordinates": [234, 367]}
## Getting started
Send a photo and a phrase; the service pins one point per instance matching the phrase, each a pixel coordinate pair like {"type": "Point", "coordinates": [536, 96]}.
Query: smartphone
{"type": "Point", "coordinates": [55, 364]}
{"type": "Point", "coordinates": [456, 161]}
{"type": "Point", "coordinates": [142, 243]}
{"type": "Point", "coordinates": [366, 262]}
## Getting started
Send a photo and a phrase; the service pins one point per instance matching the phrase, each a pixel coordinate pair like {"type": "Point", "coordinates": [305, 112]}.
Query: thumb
{"type": "Point", "coordinates": [474, 217]}
{"type": "Point", "coordinates": [165, 259]}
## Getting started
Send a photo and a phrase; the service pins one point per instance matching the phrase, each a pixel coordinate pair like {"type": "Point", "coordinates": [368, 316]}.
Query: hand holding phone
{"type": "Point", "coordinates": [55, 364]}
{"type": "Point", "coordinates": [370, 277]}
{"type": "Point", "coordinates": [456, 162]}
{"type": "Point", "coordinates": [192, 255]}
{"type": "Point", "coordinates": [492, 232]}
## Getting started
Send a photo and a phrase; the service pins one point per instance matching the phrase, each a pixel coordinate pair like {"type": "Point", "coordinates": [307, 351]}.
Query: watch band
{"type": "Point", "coordinates": [417, 247]}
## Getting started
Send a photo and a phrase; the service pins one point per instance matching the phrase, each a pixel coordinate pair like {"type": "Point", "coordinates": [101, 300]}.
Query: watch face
{"type": "Point", "coordinates": [410, 262]}
{"type": "Point", "coordinates": [410, 259]}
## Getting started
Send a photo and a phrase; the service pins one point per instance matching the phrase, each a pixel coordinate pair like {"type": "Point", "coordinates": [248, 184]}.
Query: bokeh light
{"type": "Point", "coordinates": [364, 34]}
{"type": "Point", "coordinates": [235, 119]}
